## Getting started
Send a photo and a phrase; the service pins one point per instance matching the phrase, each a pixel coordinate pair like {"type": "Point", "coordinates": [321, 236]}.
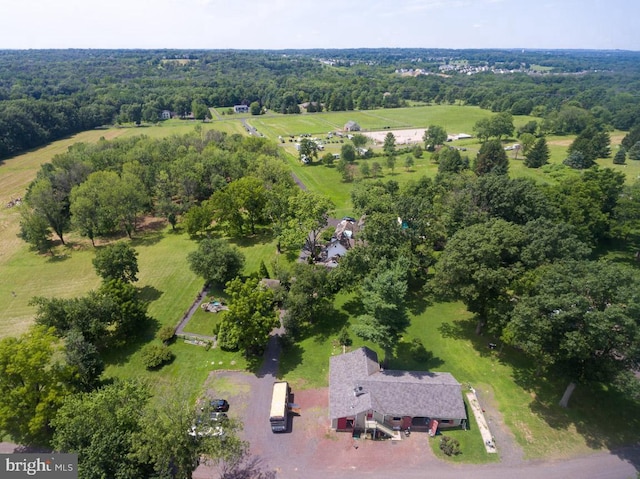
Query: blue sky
{"type": "Point", "coordinates": [275, 24]}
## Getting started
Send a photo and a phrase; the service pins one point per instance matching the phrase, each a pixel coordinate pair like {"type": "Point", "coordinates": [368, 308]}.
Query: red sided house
{"type": "Point", "coordinates": [365, 398]}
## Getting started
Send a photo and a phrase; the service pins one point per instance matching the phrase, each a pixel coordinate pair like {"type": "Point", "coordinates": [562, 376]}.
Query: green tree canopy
{"type": "Point", "coordinates": [348, 153]}
{"type": "Point", "coordinates": [389, 146]}
{"type": "Point", "coordinates": [101, 427]}
{"type": "Point", "coordinates": [117, 261]}
{"type": "Point", "coordinates": [580, 319]}
{"type": "Point", "coordinates": [433, 136]}
{"type": "Point", "coordinates": [478, 265]}
{"type": "Point", "coordinates": [383, 300]}
{"type": "Point", "coordinates": [451, 161]}
{"type": "Point", "coordinates": [309, 297]}
{"type": "Point", "coordinates": [310, 215]}
{"type": "Point", "coordinates": [538, 155]}
{"type": "Point", "coordinates": [491, 159]}
{"type": "Point", "coordinates": [216, 261]}
{"type": "Point", "coordinates": [620, 158]}
{"type": "Point", "coordinates": [250, 319]}
{"type": "Point", "coordinates": [50, 203]}
{"type": "Point", "coordinates": [242, 201]}
{"type": "Point", "coordinates": [33, 384]}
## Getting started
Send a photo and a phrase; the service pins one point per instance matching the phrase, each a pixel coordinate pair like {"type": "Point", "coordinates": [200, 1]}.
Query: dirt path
{"type": "Point", "coordinates": [300, 184]}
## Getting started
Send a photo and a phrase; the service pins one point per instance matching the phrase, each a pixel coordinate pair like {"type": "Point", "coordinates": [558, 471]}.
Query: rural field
{"type": "Point", "coordinates": [527, 403]}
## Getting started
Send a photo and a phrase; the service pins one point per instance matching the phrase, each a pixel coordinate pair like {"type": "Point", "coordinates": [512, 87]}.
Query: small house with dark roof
{"type": "Point", "coordinates": [365, 398]}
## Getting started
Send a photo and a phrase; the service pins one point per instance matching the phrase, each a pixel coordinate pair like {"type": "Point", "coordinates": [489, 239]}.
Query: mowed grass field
{"type": "Point", "coordinates": [527, 404]}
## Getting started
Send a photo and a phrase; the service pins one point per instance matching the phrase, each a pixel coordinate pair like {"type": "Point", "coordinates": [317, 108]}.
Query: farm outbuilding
{"type": "Point", "coordinates": [351, 126]}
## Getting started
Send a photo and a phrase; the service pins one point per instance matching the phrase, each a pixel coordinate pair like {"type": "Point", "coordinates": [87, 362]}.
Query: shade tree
{"type": "Point", "coordinates": [117, 261]}
{"type": "Point", "coordinates": [216, 261]}
{"type": "Point", "coordinates": [250, 319]}
{"type": "Point", "coordinates": [34, 381]}
{"type": "Point", "coordinates": [383, 296]}
{"type": "Point", "coordinates": [309, 217]}
{"type": "Point", "coordinates": [578, 319]}
{"type": "Point", "coordinates": [433, 137]}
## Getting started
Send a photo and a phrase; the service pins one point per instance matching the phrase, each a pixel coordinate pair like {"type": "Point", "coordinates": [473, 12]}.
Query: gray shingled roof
{"type": "Point", "coordinates": [401, 393]}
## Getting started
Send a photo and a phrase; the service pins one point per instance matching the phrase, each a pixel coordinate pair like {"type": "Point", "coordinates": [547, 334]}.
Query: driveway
{"type": "Point", "coordinates": [311, 450]}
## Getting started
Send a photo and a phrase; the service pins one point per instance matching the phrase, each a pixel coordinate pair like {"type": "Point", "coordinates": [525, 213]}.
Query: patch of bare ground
{"type": "Point", "coordinates": [506, 444]}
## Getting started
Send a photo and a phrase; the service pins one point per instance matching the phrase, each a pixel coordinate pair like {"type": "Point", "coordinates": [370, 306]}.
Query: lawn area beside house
{"type": "Point", "coordinates": [527, 403]}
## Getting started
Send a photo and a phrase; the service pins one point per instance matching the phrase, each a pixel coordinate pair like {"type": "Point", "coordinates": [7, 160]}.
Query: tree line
{"type": "Point", "coordinates": [46, 95]}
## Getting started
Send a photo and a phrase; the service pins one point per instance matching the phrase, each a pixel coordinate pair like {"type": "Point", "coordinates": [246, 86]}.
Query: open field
{"type": "Point", "coordinates": [453, 118]}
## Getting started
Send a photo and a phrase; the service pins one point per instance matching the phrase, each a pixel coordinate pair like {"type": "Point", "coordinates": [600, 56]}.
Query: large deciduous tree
{"type": "Point", "coordinates": [308, 149]}
{"type": "Point", "coordinates": [348, 153]}
{"type": "Point", "coordinates": [242, 201]}
{"type": "Point", "coordinates": [433, 136]}
{"type": "Point", "coordinates": [251, 316]}
{"type": "Point", "coordinates": [310, 215]}
{"type": "Point", "coordinates": [309, 297]}
{"type": "Point", "coordinates": [579, 319]}
{"type": "Point", "coordinates": [51, 204]}
{"type": "Point", "coordinates": [383, 297]}
{"type": "Point", "coordinates": [102, 427]}
{"type": "Point", "coordinates": [117, 261]}
{"type": "Point", "coordinates": [216, 261]}
{"type": "Point", "coordinates": [33, 385]}
{"type": "Point", "coordinates": [104, 317]}
{"type": "Point", "coordinates": [478, 265]}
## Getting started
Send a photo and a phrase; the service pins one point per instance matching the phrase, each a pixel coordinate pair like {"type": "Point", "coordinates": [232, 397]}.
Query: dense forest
{"type": "Point", "coordinates": [48, 94]}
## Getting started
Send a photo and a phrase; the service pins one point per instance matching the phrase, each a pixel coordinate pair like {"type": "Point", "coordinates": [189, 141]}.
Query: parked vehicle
{"type": "Point", "coordinates": [219, 405]}
{"type": "Point", "coordinates": [279, 415]}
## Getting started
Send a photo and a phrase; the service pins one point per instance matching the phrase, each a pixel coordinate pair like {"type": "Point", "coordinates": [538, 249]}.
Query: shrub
{"type": "Point", "coordinates": [343, 337]}
{"type": "Point", "coordinates": [450, 446]}
{"type": "Point", "coordinates": [216, 329]}
{"type": "Point", "coordinates": [418, 351]}
{"type": "Point", "coordinates": [166, 334]}
{"type": "Point", "coordinates": [154, 356]}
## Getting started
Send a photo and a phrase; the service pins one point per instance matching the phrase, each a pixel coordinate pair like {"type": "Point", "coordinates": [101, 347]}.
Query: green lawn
{"type": "Point", "coordinates": [203, 322]}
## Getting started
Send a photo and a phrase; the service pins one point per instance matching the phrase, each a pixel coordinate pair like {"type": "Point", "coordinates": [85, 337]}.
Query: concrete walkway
{"type": "Point", "coordinates": [185, 319]}
{"type": "Point", "coordinates": [487, 437]}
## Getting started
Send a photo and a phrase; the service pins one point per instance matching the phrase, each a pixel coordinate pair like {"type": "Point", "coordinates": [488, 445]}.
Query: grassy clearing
{"type": "Point", "coordinates": [455, 119]}
{"type": "Point", "coordinates": [181, 127]}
